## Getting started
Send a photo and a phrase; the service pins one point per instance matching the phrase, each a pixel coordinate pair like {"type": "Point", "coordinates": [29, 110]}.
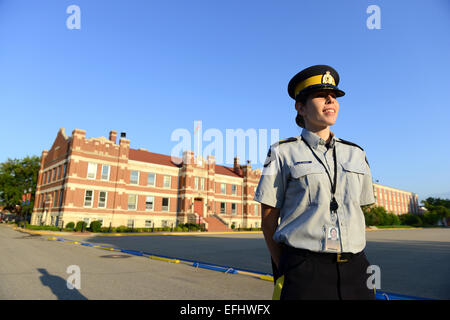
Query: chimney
{"type": "Point", "coordinates": [237, 166]}
{"type": "Point", "coordinates": [113, 136]}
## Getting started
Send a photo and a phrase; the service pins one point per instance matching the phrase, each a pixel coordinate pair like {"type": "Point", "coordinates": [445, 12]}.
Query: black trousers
{"type": "Point", "coordinates": [307, 275]}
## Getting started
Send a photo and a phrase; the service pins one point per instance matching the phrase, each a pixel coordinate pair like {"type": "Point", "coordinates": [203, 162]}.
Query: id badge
{"type": "Point", "coordinates": [332, 241]}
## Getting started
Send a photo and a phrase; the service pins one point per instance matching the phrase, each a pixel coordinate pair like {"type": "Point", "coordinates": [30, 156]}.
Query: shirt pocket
{"type": "Point", "coordinates": [354, 172]}
{"type": "Point", "coordinates": [307, 182]}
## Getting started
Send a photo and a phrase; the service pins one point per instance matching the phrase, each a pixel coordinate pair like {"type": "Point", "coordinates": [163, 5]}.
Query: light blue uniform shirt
{"type": "Point", "coordinates": [294, 181]}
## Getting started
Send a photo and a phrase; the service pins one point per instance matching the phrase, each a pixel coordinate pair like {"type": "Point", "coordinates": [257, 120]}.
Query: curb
{"type": "Point", "coordinates": [131, 234]}
{"type": "Point", "coordinates": [384, 229]}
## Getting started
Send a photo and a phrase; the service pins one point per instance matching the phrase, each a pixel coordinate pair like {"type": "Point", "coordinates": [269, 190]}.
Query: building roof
{"type": "Point", "coordinates": [228, 171]}
{"type": "Point", "coordinates": [151, 157]}
{"type": "Point", "coordinates": [165, 160]}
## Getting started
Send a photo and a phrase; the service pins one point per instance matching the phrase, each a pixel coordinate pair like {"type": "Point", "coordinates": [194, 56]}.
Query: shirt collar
{"type": "Point", "coordinates": [314, 140]}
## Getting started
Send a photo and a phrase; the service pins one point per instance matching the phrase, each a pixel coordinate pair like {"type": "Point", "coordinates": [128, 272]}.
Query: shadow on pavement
{"type": "Point", "coordinates": [58, 286]}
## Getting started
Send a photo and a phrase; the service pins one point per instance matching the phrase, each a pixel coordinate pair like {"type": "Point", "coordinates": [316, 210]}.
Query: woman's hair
{"type": "Point", "coordinates": [299, 119]}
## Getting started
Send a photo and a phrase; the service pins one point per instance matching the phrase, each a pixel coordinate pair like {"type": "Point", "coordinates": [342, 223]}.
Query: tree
{"type": "Point", "coordinates": [16, 176]}
{"type": "Point", "coordinates": [437, 206]}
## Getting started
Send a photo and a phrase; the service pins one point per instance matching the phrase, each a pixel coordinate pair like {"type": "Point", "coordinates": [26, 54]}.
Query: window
{"type": "Point", "coordinates": [148, 223]}
{"type": "Point", "coordinates": [61, 197]}
{"type": "Point", "coordinates": [222, 207]}
{"type": "Point", "coordinates": [233, 189]}
{"type": "Point", "coordinates": [151, 179]}
{"type": "Point", "coordinates": [166, 181]}
{"type": "Point", "coordinates": [149, 200]}
{"type": "Point", "coordinates": [134, 177]}
{"type": "Point", "coordinates": [88, 195]}
{"type": "Point", "coordinates": [102, 199]}
{"type": "Point", "coordinates": [202, 185]}
{"type": "Point", "coordinates": [64, 172]}
{"type": "Point", "coordinates": [55, 200]}
{"type": "Point", "coordinates": [130, 223]}
{"type": "Point", "coordinates": [164, 223]}
{"type": "Point", "coordinates": [256, 210]}
{"type": "Point", "coordinates": [58, 174]}
{"type": "Point", "coordinates": [233, 208]}
{"type": "Point", "coordinates": [165, 204]}
{"type": "Point", "coordinates": [105, 172]}
{"type": "Point", "coordinates": [132, 201]}
{"type": "Point", "coordinates": [92, 170]}
{"type": "Point", "coordinates": [196, 183]}
{"type": "Point", "coordinates": [223, 188]}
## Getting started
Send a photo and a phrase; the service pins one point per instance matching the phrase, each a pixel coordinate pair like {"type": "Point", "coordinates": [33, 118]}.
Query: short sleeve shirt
{"type": "Point", "coordinates": [294, 181]}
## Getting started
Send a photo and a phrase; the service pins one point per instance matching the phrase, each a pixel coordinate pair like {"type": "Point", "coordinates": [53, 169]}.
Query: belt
{"type": "Point", "coordinates": [324, 256]}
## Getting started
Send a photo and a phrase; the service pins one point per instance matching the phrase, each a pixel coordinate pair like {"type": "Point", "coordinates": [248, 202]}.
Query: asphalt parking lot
{"type": "Point", "coordinates": [412, 262]}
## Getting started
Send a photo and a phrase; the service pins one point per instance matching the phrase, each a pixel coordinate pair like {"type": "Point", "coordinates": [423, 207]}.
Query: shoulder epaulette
{"type": "Point", "coordinates": [354, 145]}
{"type": "Point", "coordinates": [349, 143]}
{"type": "Point", "coordinates": [292, 139]}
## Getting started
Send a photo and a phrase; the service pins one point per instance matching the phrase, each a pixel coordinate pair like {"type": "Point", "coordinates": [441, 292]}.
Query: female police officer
{"type": "Point", "coordinates": [311, 191]}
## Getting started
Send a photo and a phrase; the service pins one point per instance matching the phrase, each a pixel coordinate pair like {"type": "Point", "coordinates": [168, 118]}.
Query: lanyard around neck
{"type": "Point", "coordinates": [333, 205]}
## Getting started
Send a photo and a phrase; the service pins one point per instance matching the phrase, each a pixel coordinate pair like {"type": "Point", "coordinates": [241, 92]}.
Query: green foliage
{"type": "Point", "coordinates": [411, 219]}
{"type": "Point", "coordinates": [430, 218]}
{"type": "Point", "coordinates": [70, 225]}
{"type": "Point", "coordinates": [81, 225]}
{"type": "Point", "coordinates": [190, 226]}
{"type": "Point", "coordinates": [47, 228]}
{"type": "Point", "coordinates": [95, 226]}
{"type": "Point", "coordinates": [438, 206]}
{"type": "Point", "coordinates": [122, 229]}
{"type": "Point", "coordinates": [16, 176]}
{"type": "Point", "coordinates": [378, 216]}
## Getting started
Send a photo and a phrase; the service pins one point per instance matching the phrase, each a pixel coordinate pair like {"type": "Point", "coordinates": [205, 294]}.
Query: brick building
{"type": "Point", "coordinates": [87, 179]}
{"type": "Point", "coordinates": [396, 200]}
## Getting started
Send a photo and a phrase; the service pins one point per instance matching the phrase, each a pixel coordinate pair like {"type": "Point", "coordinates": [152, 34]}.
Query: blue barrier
{"type": "Point", "coordinates": [382, 295]}
{"type": "Point", "coordinates": [136, 253]}
{"type": "Point", "coordinates": [86, 244]}
{"type": "Point", "coordinates": [215, 268]}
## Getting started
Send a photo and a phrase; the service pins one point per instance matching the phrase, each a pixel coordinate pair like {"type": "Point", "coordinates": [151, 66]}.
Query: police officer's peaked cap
{"type": "Point", "coordinates": [314, 78]}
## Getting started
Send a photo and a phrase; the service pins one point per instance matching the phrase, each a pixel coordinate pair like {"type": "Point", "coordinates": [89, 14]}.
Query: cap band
{"type": "Point", "coordinates": [314, 80]}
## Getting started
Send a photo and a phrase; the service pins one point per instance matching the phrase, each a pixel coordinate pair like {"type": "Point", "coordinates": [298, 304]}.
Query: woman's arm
{"type": "Point", "coordinates": [269, 223]}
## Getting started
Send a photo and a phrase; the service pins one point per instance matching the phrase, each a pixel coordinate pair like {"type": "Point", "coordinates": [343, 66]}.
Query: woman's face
{"type": "Point", "coordinates": [320, 110]}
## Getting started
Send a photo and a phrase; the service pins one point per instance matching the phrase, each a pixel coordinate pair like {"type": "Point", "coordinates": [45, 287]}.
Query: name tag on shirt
{"type": "Point", "coordinates": [302, 162]}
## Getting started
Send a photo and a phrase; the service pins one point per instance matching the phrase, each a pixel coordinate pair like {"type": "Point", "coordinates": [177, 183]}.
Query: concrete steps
{"type": "Point", "coordinates": [214, 224]}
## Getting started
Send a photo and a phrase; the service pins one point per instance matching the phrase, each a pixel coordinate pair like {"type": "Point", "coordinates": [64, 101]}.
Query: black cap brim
{"type": "Point", "coordinates": [319, 87]}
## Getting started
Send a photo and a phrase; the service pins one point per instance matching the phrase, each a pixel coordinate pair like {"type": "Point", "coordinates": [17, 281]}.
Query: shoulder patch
{"type": "Point", "coordinates": [349, 143]}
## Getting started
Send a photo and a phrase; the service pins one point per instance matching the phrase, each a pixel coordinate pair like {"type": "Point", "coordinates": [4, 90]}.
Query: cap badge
{"type": "Point", "coordinates": [327, 78]}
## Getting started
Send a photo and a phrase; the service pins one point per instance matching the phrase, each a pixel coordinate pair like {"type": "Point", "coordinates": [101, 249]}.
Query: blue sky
{"type": "Point", "coordinates": [150, 67]}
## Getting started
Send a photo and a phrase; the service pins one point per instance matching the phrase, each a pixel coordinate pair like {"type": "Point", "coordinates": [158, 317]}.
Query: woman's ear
{"type": "Point", "coordinates": [300, 108]}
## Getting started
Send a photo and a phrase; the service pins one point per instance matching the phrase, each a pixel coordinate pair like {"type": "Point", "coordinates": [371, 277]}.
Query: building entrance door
{"type": "Point", "coordinates": [198, 208]}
